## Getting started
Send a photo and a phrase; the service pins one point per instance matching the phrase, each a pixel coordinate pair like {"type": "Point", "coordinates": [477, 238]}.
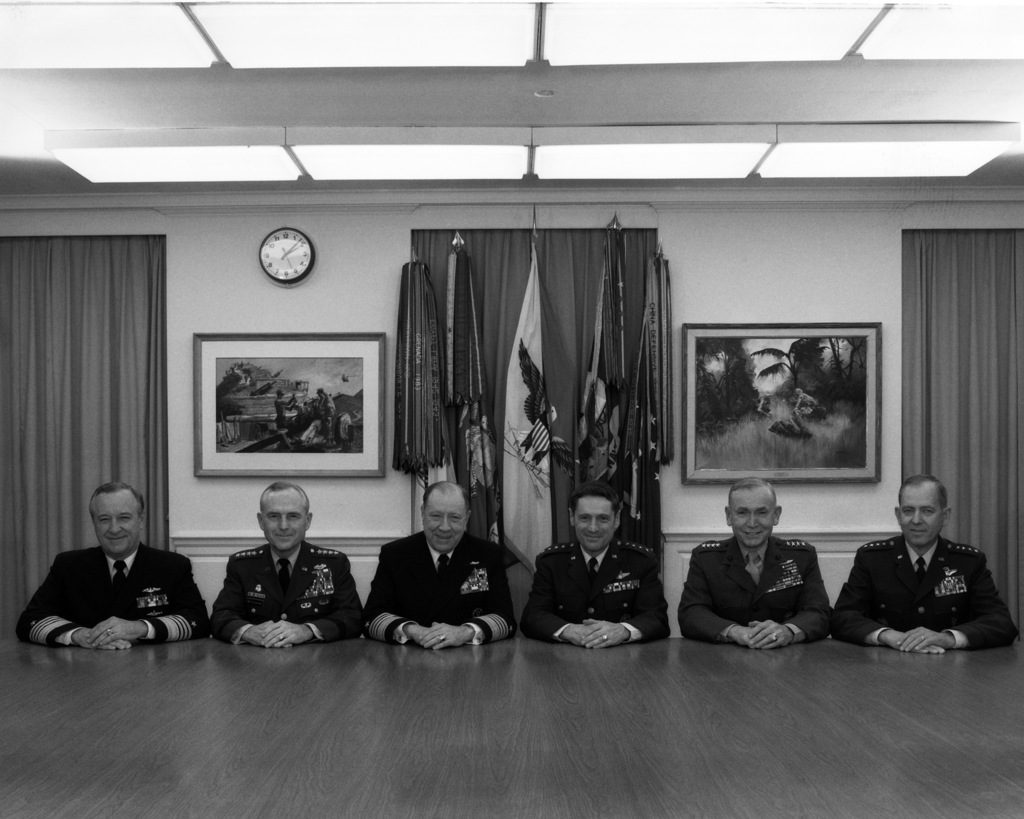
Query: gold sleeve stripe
{"type": "Point", "coordinates": [178, 627]}
{"type": "Point", "coordinates": [42, 629]}
{"type": "Point", "coordinates": [497, 625]}
{"type": "Point", "coordinates": [378, 629]}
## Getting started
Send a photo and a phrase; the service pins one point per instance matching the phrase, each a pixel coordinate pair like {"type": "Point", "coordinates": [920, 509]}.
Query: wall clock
{"type": "Point", "coordinates": [287, 256]}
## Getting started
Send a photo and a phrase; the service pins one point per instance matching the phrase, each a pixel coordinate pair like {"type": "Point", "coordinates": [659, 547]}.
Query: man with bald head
{"type": "Point", "coordinates": [120, 592]}
{"type": "Point", "coordinates": [287, 591]}
{"type": "Point", "coordinates": [754, 589]}
{"type": "Point", "coordinates": [440, 588]}
{"type": "Point", "coordinates": [919, 592]}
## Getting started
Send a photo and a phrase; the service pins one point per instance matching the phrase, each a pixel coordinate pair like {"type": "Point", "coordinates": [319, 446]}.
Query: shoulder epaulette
{"type": "Point", "coordinates": [259, 551]}
{"type": "Point", "coordinates": [556, 549]}
{"type": "Point", "coordinates": [712, 546]}
{"type": "Point", "coordinates": [878, 545]}
{"type": "Point", "coordinates": [797, 544]}
{"type": "Point", "coordinates": [964, 549]}
{"type": "Point", "coordinates": [322, 551]}
{"type": "Point", "coordinates": [637, 547]}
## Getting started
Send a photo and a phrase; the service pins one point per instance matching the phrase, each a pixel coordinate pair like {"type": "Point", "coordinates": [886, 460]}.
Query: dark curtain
{"type": "Point", "coordinates": [571, 267]}
{"type": "Point", "coordinates": [83, 401]}
{"type": "Point", "coordinates": [963, 381]}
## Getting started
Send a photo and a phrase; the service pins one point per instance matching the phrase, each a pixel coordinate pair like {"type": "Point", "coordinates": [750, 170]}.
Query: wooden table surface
{"type": "Point", "coordinates": [520, 728]}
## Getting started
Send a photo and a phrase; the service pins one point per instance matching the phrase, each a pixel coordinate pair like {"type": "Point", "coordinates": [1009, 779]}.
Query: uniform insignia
{"type": "Point", "coordinates": [257, 594]}
{"type": "Point", "coordinates": [323, 582]}
{"type": "Point", "coordinates": [246, 553]}
{"type": "Point", "coordinates": [476, 582]}
{"type": "Point", "coordinates": [477, 612]}
{"type": "Point", "coordinates": [259, 587]}
{"type": "Point", "coordinates": [474, 563]}
{"type": "Point", "coordinates": [956, 584]}
{"type": "Point", "coordinates": [621, 585]}
{"type": "Point", "coordinates": [151, 601]}
{"type": "Point", "coordinates": [152, 589]}
{"type": "Point", "coordinates": [950, 570]}
{"type": "Point", "coordinates": [622, 575]}
{"type": "Point", "coordinates": [790, 577]}
{"type": "Point", "coordinates": [711, 546]}
{"type": "Point", "coordinates": [305, 605]}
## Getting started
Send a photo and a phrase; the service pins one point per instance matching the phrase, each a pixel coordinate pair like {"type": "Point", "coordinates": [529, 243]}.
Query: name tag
{"type": "Point", "coordinates": [621, 585]}
{"type": "Point", "coordinates": [151, 601]}
{"type": "Point", "coordinates": [476, 582]}
{"type": "Point", "coordinates": [955, 584]}
{"type": "Point", "coordinates": [790, 577]}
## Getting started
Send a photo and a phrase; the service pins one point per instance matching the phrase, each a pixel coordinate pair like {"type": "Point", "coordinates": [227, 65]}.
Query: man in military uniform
{"type": "Point", "coordinates": [754, 589]}
{"type": "Point", "coordinates": [440, 588]}
{"type": "Point", "coordinates": [118, 593]}
{"type": "Point", "coordinates": [599, 591]}
{"type": "Point", "coordinates": [919, 591]}
{"type": "Point", "coordinates": [287, 591]}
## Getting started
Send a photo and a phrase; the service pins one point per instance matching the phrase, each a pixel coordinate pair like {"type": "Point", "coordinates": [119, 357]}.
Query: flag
{"type": "Point", "coordinates": [528, 443]}
{"type": "Point", "coordinates": [419, 415]}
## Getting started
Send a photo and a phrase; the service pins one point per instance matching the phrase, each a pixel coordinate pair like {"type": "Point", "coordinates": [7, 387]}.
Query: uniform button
{"type": "Point", "coordinates": [590, 611]}
{"type": "Point", "coordinates": [284, 616]}
{"type": "Point", "coordinates": [881, 605]}
{"type": "Point", "coordinates": [954, 608]}
{"type": "Point", "coordinates": [560, 607]}
{"type": "Point", "coordinates": [626, 606]}
{"type": "Point", "coordinates": [920, 609]}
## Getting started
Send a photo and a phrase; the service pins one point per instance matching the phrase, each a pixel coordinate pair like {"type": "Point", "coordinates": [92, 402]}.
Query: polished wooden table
{"type": "Point", "coordinates": [519, 728]}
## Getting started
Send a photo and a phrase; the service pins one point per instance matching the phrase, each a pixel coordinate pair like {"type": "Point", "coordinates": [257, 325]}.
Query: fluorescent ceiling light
{"type": "Point", "coordinates": [948, 33]}
{"type": "Point", "coordinates": [632, 33]}
{"type": "Point", "coordinates": [413, 161]}
{"type": "Point", "coordinates": [367, 34]}
{"type": "Point", "coordinates": [99, 36]}
{"type": "Point", "coordinates": [648, 161]}
{"type": "Point", "coordinates": [211, 163]}
{"type": "Point", "coordinates": [844, 151]}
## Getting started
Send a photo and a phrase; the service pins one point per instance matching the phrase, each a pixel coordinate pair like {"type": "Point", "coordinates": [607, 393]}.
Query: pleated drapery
{"type": "Point", "coordinates": [83, 398]}
{"type": "Point", "coordinates": [963, 382]}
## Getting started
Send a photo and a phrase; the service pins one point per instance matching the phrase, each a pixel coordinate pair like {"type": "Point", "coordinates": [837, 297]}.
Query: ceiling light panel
{"type": "Point", "coordinates": [957, 32]}
{"type": "Point", "coordinates": [634, 33]}
{"type": "Point", "coordinates": [99, 36]}
{"type": "Point", "coordinates": [211, 163]}
{"type": "Point", "coordinates": [366, 34]}
{"type": "Point", "coordinates": [648, 161]}
{"type": "Point", "coordinates": [413, 162]}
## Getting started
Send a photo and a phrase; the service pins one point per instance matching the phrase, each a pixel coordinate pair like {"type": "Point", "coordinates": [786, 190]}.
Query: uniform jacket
{"type": "Point", "coordinates": [627, 590]}
{"type": "Point", "coordinates": [78, 592]}
{"type": "Point", "coordinates": [719, 592]}
{"type": "Point", "coordinates": [321, 592]}
{"type": "Point", "coordinates": [406, 589]}
{"type": "Point", "coordinates": [957, 593]}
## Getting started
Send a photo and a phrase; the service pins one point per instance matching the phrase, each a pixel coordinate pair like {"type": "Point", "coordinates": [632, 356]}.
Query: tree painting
{"type": "Point", "coordinates": [781, 403]}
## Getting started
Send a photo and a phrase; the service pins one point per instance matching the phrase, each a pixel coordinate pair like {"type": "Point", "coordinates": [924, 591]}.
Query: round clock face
{"type": "Point", "coordinates": [287, 256]}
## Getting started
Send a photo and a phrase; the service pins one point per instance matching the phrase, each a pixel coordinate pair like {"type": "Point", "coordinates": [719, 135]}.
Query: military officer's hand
{"type": "Point", "coordinates": [920, 639]}
{"type": "Point", "coordinates": [603, 634]}
{"type": "Point", "coordinates": [80, 637]}
{"type": "Point", "coordinates": [442, 635]}
{"type": "Point", "coordinates": [110, 631]}
{"type": "Point", "coordinates": [768, 634]}
{"type": "Point", "coordinates": [284, 634]}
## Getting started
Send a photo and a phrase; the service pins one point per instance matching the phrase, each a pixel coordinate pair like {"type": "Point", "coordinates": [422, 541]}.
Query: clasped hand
{"type": "Point", "coordinates": [279, 634]}
{"type": "Point", "coordinates": [110, 634]}
{"type": "Point", "coordinates": [595, 634]}
{"type": "Point", "coordinates": [922, 640]}
{"type": "Point", "coordinates": [762, 634]}
{"type": "Point", "coordinates": [439, 635]}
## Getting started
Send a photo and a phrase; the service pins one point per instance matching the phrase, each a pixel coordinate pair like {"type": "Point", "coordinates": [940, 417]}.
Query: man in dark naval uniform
{"type": "Point", "coordinates": [754, 589]}
{"type": "Point", "coordinates": [921, 592]}
{"type": "Point", "coordinates": [287, 591]}
{"type": "Point", "coordinates": [600, 591]}
{"type": "Point", "coordinates": [119, 592]}
{"type": "Point", "coordinates": [440, 588]}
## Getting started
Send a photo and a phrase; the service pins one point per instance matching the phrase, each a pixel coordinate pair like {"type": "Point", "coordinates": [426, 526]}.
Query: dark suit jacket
{"type": "Point", "coordinates": [957, 593]}
{"type": "Point", "coordinates": [406, 589]}
{"type": "Point", "coordinates": [719, 592]}
{"type": "Point", "coordinates": [321, 592]}
{"type": "Point", "coordinates": [627, 590]}
{"type": "Point", "coordinates": [78, 593]}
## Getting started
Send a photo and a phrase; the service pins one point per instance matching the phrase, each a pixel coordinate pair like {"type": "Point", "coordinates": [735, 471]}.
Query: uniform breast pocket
{"type": "Point", "coordinates": [255, 602]}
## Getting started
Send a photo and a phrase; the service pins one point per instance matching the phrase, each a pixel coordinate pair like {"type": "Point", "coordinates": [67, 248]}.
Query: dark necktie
{"type": "Point", "coordinates": [119, 576]}
{"type": "Point", "coordinates": [920, 569]}
{"type": "Point", "coordinates": [442, 566]}
{"type": "Point", "coordinates": [592, 569]}
{"type": "Point", "coordinates": [284, 573]}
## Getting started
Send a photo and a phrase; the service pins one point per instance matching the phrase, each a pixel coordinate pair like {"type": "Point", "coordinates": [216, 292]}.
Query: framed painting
{"type": "Point", "coordinates": [289, 404]}
{"type": "Point", "coordinates": [785, 402]}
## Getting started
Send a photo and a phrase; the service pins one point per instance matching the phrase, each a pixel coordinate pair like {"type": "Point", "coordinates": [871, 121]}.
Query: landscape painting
{"type": "Point", "coordinates": [288, 404]}
{"type": "Point", "coordinates": [782, 402]}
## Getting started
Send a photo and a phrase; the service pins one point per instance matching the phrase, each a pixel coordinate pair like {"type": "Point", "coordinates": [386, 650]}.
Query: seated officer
{"type": "Point", "coordinates": [440, 588]}
{"type": "Point", "coordinates": [754, 589]}
{"type": "Point", "coordinates": [287, 591]}
{"type": "Point", "coordinates": [599, 591]}
{"type": "Point", "coordinates": [921, 592]}
{"type": "Point", "coordinates": [119, 592]}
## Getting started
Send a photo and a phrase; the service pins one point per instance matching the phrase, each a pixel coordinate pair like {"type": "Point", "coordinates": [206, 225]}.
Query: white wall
{"type": "Point", "coordinates": [739, 257]}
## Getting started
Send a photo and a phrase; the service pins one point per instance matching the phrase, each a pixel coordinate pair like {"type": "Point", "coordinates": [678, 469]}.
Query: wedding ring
{"type": "Point", "coordinates": [440, 639]}
{"type": "Point", "coordinates": [605, 637]}
{"type": "Point", "coordinates": [775, 637]}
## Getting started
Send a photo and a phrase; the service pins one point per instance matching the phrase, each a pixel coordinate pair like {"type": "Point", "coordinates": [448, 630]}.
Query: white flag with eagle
{"type": "Point", "coordinates": [526, 473]}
